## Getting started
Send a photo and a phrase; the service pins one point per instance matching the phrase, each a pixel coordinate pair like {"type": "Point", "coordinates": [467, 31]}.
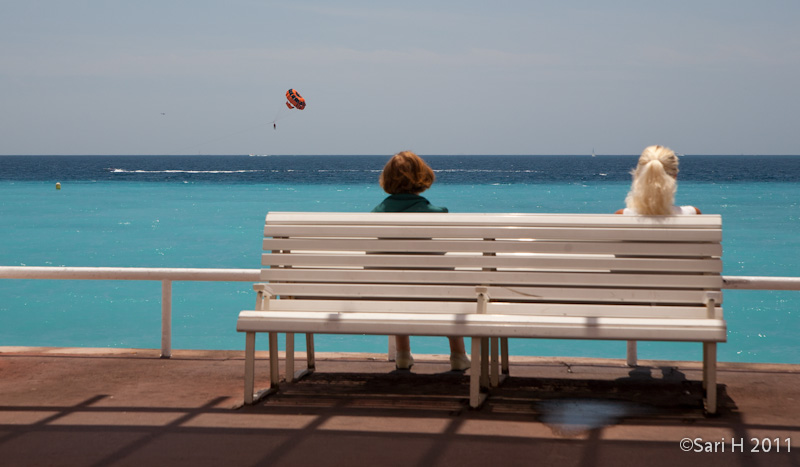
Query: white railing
{"type": "Point", "coordinates": [760, 283]}
{"type": "Point", "coordinates": [167, 275]}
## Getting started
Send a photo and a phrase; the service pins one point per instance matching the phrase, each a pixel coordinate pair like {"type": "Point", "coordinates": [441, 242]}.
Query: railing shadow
{"type": "Point", "coordinates": [395, 418]}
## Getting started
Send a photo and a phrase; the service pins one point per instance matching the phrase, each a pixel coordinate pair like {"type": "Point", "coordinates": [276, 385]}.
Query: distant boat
{"type": "Point", "coordinates": [593, 154]}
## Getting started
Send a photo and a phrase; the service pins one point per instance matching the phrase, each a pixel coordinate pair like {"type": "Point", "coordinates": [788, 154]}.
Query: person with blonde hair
{"type": "Point", "coordinates": [654, 185]}
{"type": "Point", "coordinates": [404, 177]}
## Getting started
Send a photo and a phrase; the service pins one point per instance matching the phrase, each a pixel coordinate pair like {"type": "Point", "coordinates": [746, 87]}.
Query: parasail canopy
{"type": "Point", "coordinates": [295, 100]}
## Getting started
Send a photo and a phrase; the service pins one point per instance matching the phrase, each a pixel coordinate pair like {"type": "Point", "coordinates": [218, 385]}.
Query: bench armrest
{"type": "Point", "coordinates": [263, 294]}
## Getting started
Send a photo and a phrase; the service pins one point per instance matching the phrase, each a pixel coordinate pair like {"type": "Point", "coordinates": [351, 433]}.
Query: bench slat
{"type": "Point", "coordinates": [577, 279]}
{"type": "Point", "coordinates": [315, 218]}
{"type": "Point", "coordinates": [541, 309]}
{"type": "Point", "coordinates": [455, 292]}
{"type": "Point", "coordinates": [476, 325]}
{"type": "Point", "coordinates": [499, 246]}
{"type": "Point", "coordinates": [587, 233]}
{"type": "Point", "coordinates": [540, 262]}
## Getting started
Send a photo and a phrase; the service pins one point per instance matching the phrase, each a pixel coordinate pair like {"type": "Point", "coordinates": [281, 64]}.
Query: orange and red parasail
{"type": "Point", "coordinates": [295, 100]}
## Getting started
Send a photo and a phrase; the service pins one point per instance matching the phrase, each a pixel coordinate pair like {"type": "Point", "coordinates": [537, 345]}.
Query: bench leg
{"type": "Point", "coordinates": [289, 356]}
{"type": "Point", "coordinates": [391, 351]}
{"type": "Point", "coordinates": [710, 375]}
{"type": "Point", "coordinates": [484, 362]}
{"type": "Point", "coordinates": [632, 354]}
{"type": "Point", "coordinates": [249, 367]}
{"type": "Point", "coordinates": [504, 356]}
{"type": "Point", "coordinates": [499, 365]}
{"type": "Point", "coordinates": [705, 366]}
{"type": "Point", "coordinates": [297, 375]}
{"type": "Point", "coordinates": [312, 362]}
{"type": "Point", "coordinates": [476, 397]}
{"type": "Point", "coordinates": [274, 369]}
{"type": "Point", "coordinates": [495, 376]}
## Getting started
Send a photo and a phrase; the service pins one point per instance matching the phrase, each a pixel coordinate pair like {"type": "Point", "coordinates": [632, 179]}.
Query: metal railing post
{"type": "Point", "coordinates": [166, 318]}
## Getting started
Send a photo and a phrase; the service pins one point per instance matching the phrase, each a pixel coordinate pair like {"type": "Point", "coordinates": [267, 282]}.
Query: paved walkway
{"type": "Point", "coordinates": [89, 407]}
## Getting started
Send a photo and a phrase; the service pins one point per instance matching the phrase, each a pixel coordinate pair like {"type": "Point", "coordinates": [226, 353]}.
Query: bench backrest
{"type": "Point", "coordinates": [557, 262]}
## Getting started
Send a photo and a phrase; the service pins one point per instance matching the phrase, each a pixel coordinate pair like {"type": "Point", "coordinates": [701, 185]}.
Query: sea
{"type": "Point", "coordinates": [208, 212]}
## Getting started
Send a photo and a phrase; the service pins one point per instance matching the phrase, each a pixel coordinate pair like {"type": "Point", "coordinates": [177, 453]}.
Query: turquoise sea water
{"type": "Point", "coordinates": [183, 222]}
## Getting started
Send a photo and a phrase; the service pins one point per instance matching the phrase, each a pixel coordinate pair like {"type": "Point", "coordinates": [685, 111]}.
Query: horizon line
{"type": "Point", "coordinates": [379, 155]}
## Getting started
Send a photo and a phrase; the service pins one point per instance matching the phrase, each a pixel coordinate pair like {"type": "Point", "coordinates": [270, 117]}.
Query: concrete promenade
{"type": "Point", "coordinates": [107, 407]}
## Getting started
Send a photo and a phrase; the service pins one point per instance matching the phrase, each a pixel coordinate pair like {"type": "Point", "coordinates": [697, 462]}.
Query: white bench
{"type": "Point", "coordinates": [488, 276]}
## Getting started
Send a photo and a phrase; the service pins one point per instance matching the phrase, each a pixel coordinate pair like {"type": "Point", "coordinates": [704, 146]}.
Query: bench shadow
{"type": "Point", "coordinates": [645, 392]}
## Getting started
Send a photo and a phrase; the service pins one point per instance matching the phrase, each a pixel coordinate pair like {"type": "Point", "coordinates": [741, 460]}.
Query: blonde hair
{"type": "Point", "coordinates": [654, 182]}
{"type": "Point", "coordinates": [406, 173]}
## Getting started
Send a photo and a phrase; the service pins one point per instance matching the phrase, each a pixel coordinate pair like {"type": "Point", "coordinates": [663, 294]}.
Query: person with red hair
{"type": "Point", "coordinates": [404, 177]}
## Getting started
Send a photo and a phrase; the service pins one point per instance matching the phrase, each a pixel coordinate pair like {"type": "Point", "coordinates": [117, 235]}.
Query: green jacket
{"type": "Point", "coordinates": [405, 202]}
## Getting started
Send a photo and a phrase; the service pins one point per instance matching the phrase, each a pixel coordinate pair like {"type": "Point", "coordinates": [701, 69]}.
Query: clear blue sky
{"type": "Point", "coordinates": [443, 77]}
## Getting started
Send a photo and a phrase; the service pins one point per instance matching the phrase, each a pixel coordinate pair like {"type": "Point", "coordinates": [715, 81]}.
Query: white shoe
{"type": "Point", "coordinates": [403, 360]}
{"type": "Point", "coordinates": [459, 362]}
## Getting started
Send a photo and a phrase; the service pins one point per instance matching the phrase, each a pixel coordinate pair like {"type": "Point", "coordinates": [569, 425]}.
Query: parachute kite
{"type": "Point", "coordinates": [295, 100]}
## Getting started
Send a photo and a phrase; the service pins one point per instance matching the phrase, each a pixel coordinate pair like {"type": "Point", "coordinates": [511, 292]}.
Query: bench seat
{"type": "Point", "coordinates": [488, 325]}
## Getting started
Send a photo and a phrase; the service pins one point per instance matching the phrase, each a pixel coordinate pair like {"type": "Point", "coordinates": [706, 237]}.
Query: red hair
{"type": "Point", "coordinates": [406, 173]}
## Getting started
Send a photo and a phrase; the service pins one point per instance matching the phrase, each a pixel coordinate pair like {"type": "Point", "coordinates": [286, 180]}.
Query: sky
{"type": "Point", "coordinates": [444, 77]}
